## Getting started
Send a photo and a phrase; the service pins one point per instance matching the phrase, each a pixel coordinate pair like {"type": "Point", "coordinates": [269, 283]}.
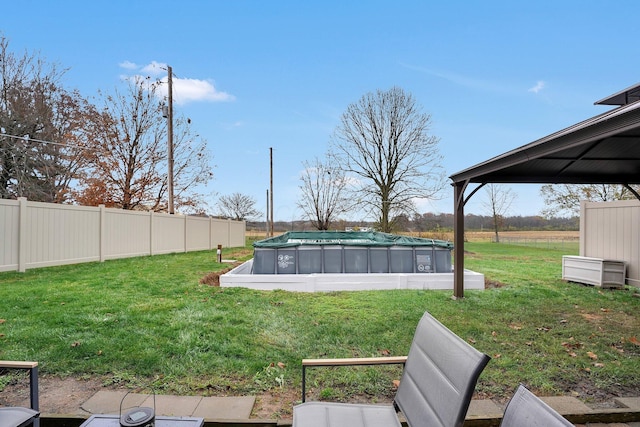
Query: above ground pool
{"type": "Point", "coordinates": [308, 252]}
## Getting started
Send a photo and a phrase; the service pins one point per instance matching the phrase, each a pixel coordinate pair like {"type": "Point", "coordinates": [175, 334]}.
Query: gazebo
{"type": "Point", "coordinates": [604, 149]}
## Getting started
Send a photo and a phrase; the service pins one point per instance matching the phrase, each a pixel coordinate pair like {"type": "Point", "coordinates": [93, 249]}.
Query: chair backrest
{"type": "Point", "coordinates": [527, 410]}
{"type": "Point", "coordinates": [439, 377]}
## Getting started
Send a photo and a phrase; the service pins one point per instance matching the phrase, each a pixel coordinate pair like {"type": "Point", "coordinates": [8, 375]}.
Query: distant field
{"type": "Point", "coordinates": [473, 236]}
{"type": "Point", "coordinates": [567, 241]}
{"type": "Point", "coordinates": [487, 235]}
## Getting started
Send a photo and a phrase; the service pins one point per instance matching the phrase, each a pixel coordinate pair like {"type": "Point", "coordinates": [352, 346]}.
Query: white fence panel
{"type": "Point", "coordinates": [61, 234]}
{"type": "Point", "coordinates": [125, 233]}
{"type": "Point", "coordinates": [168, 234]}
{"type": "Point", "coordinates": [611, 231]}
{"type": "Point", "coordinates": [219, 232]}
{"type": "Point", "coordinates": [198, 237]}
{"type": "Point", "coordinates": [9, 226]}
{"type": "Point", "coordinates": [34, 234]}
{"type": "Point", "coordinates": [236, 233]}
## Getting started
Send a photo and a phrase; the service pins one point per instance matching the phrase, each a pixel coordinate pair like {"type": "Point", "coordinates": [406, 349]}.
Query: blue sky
{"type": "Point", "coordinates": [251, 75]}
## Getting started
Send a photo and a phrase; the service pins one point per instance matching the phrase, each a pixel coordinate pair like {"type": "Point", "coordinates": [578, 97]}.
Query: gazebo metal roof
{"type": "Point", "coordinates": [604, 149]}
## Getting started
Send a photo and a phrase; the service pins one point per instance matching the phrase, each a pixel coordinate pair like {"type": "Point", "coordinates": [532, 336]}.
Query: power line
{"type": "Point", "coordinates": [26, 138]}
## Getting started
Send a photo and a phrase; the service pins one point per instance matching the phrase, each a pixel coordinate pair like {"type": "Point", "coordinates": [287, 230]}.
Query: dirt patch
{"type": "Point", "coordinates": [596, 397]}
{"type": "Point", "coordinates": [492, 284]}
{"type": "Point", "coordinates": [275, 404]}
{"type": "Point", "coordinates": [213, 278]}
{"type": "Point", "coordinates": [57, 395]}
{"type": "Point", "coordinates": [594, 318]}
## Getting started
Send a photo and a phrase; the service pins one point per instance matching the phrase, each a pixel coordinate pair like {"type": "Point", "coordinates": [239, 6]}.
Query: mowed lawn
{"type": "Point", "coordinates": [149, 320]}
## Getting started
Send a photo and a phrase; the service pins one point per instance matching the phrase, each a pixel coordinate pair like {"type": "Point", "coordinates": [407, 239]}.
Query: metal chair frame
{"type": "Point", "coordinates": [34, 397]}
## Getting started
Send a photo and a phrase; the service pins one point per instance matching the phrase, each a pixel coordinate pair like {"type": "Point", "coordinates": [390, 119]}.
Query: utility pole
{"type": "Point", "coordinates": [170, 138]}
{"type": "Point", "coordinates": [271, 180]}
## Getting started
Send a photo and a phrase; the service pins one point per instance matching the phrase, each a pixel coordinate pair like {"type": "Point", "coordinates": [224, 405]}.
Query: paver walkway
{"type": "Point", "coordinates": [227, 408]}
{"type": "Point", "coordinates": [239, 408]}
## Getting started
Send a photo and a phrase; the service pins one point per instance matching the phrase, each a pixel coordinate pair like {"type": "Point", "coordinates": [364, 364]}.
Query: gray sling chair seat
{"type": "Point", "coordinates": [436, 387]}
{"type": "Point", "coordinates": [526, 410]}
{"type": "Point", "coordinates": [19, 416]}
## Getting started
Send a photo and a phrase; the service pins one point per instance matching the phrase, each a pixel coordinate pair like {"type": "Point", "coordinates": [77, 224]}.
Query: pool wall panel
{"type": "Point", "coordinates": [351, 259]}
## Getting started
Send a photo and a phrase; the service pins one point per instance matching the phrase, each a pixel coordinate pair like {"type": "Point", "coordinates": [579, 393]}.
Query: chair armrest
{"type": "Point", "coordinates": [10, 364]}
{"type": "Point", "coordinates": [32, 367]}
{"type": "Point", "coordinates": [354, 361]}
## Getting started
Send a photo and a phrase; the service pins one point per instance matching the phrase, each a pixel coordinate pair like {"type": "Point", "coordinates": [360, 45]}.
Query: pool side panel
{"type": "Point", "coordinates": [241, 277]}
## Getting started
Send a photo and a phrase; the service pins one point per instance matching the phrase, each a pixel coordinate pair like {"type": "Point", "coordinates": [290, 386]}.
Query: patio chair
{"type": "Point", "coordinates": [438, 380]}
{"type": "Point", "coordinates": [526, 410]}
{"type": "Point", "coordinates": [19, 416]}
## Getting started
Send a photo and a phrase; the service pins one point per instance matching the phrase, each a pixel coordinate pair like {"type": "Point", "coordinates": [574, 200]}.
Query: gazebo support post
{"type": "Point", "coordinates": [458, 240]}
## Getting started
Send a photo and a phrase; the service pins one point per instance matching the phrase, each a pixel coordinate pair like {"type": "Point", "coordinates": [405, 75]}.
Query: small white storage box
{"type": "Point", "coordinates": [594, 271]}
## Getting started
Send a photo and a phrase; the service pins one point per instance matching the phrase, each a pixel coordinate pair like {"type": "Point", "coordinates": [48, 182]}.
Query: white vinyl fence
{"type": "Point", "coordinates": [34, 234]}
{"type": "Point", "coordinates": [611, 231]}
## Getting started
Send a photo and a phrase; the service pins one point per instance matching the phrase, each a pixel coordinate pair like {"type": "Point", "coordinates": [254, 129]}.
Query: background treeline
{"type": "Point", "coordinates": [429, 222]}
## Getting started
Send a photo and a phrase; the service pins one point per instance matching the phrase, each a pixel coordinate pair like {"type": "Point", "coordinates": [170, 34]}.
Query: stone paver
{"type": "Point", "coordinates": [237, 408]}
{"type": "Point", "coordinates": [566, 404]}
{"type": "Point", "coordinates": [173, 406]}
{"type": "Point", "coordinates": [629, 402]}
{"type": "Point", "coordinates": [108, 402]}
{"type": "Point", "coordinates": [484, 408]}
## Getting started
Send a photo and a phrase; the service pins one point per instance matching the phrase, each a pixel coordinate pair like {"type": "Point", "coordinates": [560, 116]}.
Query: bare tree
{"type": "Point", "coordinates": [562, 199]}
{"type": "Point", "coordinates": [238, 206]}
{"type": "Point", "coordinates": [383, 142]}
{"type": "Point", "coordinates": [497, 204]}
{"type": "Point", "coordinates": [323, 193]}
{"type": "Point", "coordinates": [42, 131]}
{"type": "Point", "coordinates": [129, 160]}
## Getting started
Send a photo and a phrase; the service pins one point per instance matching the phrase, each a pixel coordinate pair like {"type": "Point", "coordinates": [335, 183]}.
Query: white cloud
{"type": "Point", "coordinates": [538, 87]}
{"type": "Point", "coordinates": [154, 69]}
{"type": "Point", "coordinates": [185, 90]}
{"type": "Point", "coordinates": [128, 65]}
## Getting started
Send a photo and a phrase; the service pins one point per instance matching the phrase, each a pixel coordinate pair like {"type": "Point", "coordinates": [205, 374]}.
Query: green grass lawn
{"type": "Point", "coordinates": [148, 320]}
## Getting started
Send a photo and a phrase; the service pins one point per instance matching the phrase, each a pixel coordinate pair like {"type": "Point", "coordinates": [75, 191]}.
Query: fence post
{"type": "Point", "coordinates": [151, 232]}
{"type": "Point", "coordinates": [186, 234]}
{"type": "Point", "coordinates": [22, 234]}
{"type": "Point", "coordinates": [103, 233]}
{"type": "Point", "coordinates": [210, 233]}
